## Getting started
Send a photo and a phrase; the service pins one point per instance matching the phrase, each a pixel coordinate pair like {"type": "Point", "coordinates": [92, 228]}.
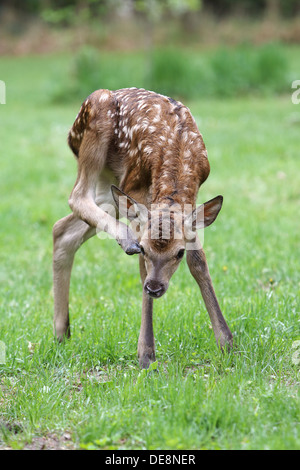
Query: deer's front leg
{"type": "Point", "coordinates": [146, 344]}
{"type": "Point", "coordinates": [83, 204]}
{"type": "Point", "coordinates": [199, 269]}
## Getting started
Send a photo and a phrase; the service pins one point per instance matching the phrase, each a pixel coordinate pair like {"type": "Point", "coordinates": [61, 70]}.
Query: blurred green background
{"type": "Point", "coordinates": [233, 63]}
{"type": "Point", "coordinates": [183, 48]}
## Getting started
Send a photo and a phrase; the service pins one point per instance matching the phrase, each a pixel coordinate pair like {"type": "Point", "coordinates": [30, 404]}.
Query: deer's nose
{"type": "Point", "coordinates": [154, 289]}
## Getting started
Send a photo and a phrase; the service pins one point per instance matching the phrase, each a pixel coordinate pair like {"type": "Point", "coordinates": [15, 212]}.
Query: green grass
{"type": "Point", "coordinates": [91, 387]}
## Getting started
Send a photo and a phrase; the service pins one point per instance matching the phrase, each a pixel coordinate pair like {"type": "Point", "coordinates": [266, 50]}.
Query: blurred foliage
{"type": "Point", "coordinates": [75, 11]}
{"type": "Point", "coordinates": [155, 9]}
{"type": "Point", "coordinates": [180, 74]}
{"type": "Point", "coordinates": [247, 70]}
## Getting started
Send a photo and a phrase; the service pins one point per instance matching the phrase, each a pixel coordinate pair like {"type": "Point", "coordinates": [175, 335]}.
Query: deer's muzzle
{"type": "Point", "coordinates": [155, 288]}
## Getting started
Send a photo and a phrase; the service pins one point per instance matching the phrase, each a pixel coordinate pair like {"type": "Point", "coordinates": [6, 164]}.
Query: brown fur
{"type": "Point", "coordinates": [147, 148]}
{"type": "Point", "coordinates": [155, 149]}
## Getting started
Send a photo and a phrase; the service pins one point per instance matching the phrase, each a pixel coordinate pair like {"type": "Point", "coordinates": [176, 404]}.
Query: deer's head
{"type": "Point", "coordinates": [164, 233]}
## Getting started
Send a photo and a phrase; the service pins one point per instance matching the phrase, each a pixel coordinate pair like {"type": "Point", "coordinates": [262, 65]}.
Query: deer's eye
{"type": "Point", "coordinates": [180, 254]}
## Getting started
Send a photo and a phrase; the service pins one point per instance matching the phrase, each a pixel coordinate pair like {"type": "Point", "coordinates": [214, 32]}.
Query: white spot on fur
{"type": "Point", "coordinates": [140, 144]}
{"type": "Point", "coordinates": [133, 152]}
{"type": "Point", "coordinates": [145, 124]}
{"type": "Point", "coordinates": [185, 136]}
{"type": "Point", "coordinates": [186, 168]}
{"type": "Point", "coordinates": [148, 149]}
{"type": "Point", "coordinates": [193, 134]}
{"type": "Point", "coordinates": [142, 106]}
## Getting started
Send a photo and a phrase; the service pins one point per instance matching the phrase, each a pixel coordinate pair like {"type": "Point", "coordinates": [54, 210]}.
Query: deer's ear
{"type": "Point", "coordinates": [129, 207]}
{"type": "Point", "coordinates": [206, 214]}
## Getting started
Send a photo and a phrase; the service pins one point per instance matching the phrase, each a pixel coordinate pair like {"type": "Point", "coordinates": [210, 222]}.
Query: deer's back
{"type": "Point", "coordinates": [152, 141]}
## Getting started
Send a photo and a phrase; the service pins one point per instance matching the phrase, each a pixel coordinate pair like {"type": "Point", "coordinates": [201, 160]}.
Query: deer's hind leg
{"type": "Point", "coordinates": [69, 234]}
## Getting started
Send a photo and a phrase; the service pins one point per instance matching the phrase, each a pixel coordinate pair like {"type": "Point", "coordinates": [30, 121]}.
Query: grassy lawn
{"type": "Point", "coordinates": [90, 392]}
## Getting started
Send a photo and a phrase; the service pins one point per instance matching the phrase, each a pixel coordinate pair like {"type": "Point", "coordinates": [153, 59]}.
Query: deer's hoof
{"type": "Point", "coordinates": [145, 361]}
{"type": "Point", "coordinates": [225, 342]}
{"type": "Point", "coordinates": [62, 336]}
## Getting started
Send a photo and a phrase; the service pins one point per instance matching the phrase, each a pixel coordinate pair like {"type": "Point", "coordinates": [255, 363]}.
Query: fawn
{"type": "Point", "coordinates": [140, 155]}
